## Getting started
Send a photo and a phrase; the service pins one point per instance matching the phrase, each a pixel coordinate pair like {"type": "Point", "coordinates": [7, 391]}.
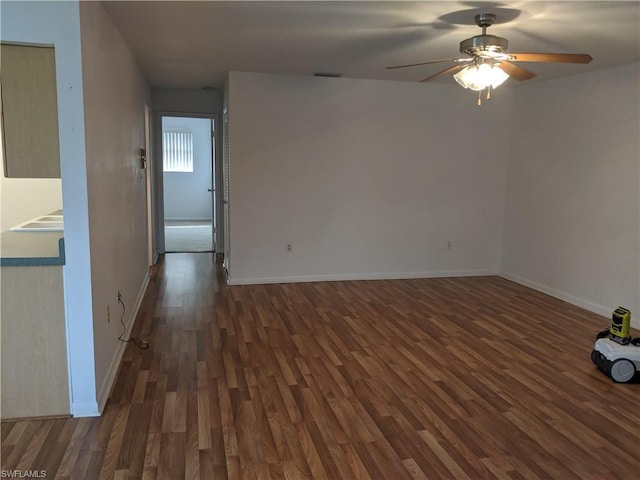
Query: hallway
{"type": "Point", "coordinates": [395, 379]}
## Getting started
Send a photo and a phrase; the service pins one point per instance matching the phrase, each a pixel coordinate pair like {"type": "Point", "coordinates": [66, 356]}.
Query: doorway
{"type": "Point", "coordinates": [188, 177]}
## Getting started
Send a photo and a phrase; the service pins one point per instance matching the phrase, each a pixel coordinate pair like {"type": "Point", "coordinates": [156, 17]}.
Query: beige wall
{"type": "Point", "coordinates": [115, 95]}
{"type": "Point", "coordinates": [573, 204]}
{"type": "Point", "coordinates": [364, 178]}
{"type": "Point", "coordinates": [34, 379]}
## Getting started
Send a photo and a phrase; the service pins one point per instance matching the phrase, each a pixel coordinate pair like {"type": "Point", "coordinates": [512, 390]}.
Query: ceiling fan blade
{"type": "Point", "coordinates": [433, 61]}
{"type": "Point", "coordinates": [514, 71]}
{"type": "Point", "coordinates": [550, 57]}
{"type": "Point", "coordinates": [443, 72]}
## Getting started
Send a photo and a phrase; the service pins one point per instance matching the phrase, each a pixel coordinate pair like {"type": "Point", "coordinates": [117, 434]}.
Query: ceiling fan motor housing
{"type": "Point", "coordinates": [483, 43]}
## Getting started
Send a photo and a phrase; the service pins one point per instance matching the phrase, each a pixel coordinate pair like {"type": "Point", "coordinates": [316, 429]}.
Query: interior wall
{"type": "Point", "coordinates": [186, 195]}
{"type": "Point", "coordinates": [187, 100]}
{"type": "Point", "coordinates": [115, 94]}
{"type": "Point", "coordinates": [58, 24]}
{"type": "Point", "coordinates": [364, 179]}
{"type": "Point", "coordinates": [573, 205]}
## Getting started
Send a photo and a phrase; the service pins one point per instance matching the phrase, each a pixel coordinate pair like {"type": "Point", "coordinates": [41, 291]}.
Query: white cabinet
{"type": "Point", "coordinates": [29, 112]}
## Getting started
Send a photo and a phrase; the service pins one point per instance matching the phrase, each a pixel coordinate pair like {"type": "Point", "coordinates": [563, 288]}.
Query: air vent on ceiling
{"type": "Point", "coordinates": [327, 74]}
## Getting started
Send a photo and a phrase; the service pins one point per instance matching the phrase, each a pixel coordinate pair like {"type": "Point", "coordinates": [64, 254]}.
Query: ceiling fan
{"type": "Point", "coordinates": [487, 64]}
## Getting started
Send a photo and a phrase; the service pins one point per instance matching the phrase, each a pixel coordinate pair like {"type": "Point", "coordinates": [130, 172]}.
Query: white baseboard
{"type": "Point", "coordinates": [107, 384]}
{"type": "Point", "coordinates": [567, 297]}
{"type": "Point", "coordinates": [360, 276]}
{"type": "Point", "coordinates": [88, 409]}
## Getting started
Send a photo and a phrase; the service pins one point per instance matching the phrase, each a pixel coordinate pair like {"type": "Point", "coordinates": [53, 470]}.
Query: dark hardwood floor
{"type": "Point", "coordinates": [450, 378]}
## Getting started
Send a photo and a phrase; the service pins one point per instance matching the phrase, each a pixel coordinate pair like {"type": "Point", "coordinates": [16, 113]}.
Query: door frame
{"type": "Point", "coordinates": [148, 181]}
{"type": "Point", "coordinates": [158, 179]}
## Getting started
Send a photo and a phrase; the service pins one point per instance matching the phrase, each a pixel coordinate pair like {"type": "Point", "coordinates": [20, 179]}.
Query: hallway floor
{"type": "Point", "coordinates": [188, 236]}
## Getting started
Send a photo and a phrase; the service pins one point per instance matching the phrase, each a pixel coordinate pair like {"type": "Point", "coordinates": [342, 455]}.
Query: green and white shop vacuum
{"type": "Point", "coordinates": [616, 353]}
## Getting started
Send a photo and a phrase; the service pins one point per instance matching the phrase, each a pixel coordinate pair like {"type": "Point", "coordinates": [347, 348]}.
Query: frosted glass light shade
{"type": "Point", "coordinates": [479, 77]}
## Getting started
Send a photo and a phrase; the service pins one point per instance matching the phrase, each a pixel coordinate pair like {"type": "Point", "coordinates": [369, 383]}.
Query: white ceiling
{"type": "Point", "coordinates": [195, 44]}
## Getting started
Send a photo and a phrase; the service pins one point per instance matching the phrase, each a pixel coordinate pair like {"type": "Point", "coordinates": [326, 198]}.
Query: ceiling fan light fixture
{"type": "Point", "coordinates": [487, 63]}
{"type": "Point", "coordinates": [480, 76]}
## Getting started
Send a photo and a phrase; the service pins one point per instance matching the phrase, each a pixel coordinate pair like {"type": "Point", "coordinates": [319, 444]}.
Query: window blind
{"type": "Point", "coordinates": [177, 148]}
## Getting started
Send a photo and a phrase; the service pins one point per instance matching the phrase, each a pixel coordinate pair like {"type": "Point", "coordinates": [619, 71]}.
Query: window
{"type": "Point", "coordinates": [177, 148]}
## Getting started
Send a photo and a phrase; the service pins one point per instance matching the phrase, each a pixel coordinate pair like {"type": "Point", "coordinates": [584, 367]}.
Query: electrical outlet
{"type": "Point", "coordinates": [108, 314]}
{"type": "Point", "coordinates": [289, 248]}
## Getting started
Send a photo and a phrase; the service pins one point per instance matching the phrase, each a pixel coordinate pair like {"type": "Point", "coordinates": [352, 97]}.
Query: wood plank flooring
{"type": "Point", "coordinates": [450, 378]}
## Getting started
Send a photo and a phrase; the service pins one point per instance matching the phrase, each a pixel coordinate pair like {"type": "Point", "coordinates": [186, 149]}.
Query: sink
{"type": "Point", "coordinates": [46, 223]}
{"type": "Point", "coordinates": [41, 227]}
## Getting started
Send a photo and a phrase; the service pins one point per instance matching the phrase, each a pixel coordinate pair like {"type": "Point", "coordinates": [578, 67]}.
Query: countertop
{"type": "Point", "coordinates": [25, 249]}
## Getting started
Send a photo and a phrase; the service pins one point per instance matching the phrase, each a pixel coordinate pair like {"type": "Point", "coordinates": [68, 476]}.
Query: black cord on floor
{"type": "Point", "coordinates": [141, 344]}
